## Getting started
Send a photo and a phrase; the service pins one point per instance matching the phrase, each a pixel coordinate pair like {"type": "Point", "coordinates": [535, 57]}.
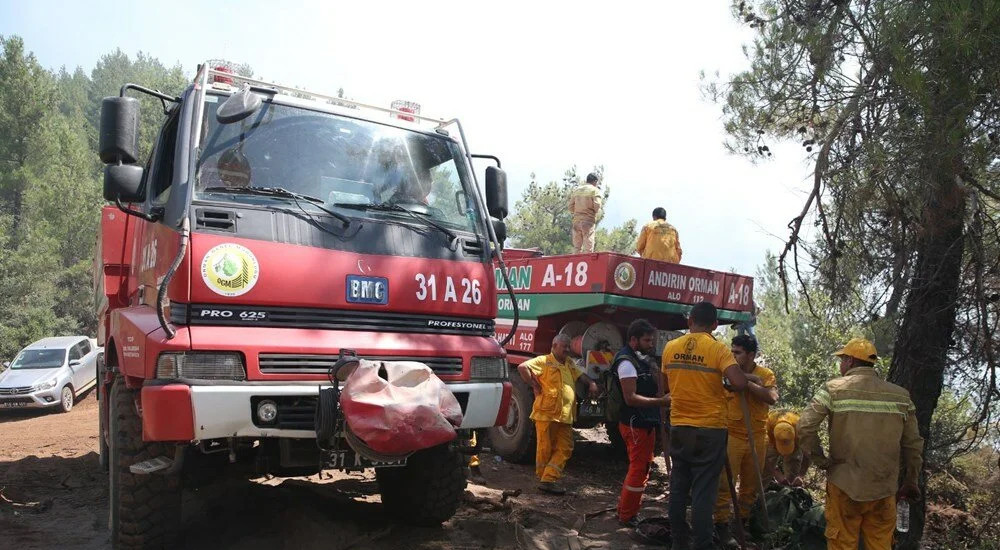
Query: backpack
{"type": "Point", "coordinates": [796, 522]}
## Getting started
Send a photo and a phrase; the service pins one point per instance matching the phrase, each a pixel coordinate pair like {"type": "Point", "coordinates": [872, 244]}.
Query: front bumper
{"type": "Point", "coordinates": [189, 412]}
{"type": "Point", "coordinates": [37, 400]}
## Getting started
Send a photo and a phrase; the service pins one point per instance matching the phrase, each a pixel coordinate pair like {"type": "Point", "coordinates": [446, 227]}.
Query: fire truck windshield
{"type": "Point", "coordinates": [346, 162]}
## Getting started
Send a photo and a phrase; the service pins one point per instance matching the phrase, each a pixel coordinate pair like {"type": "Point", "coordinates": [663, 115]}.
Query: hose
{"type": "Point", "coordinates": [161, 295]}
{"type": "Point", "coordinates": [510, 290]}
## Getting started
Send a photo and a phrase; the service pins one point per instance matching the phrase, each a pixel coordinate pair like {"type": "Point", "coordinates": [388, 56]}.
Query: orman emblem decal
{"type": "Point", "coordinates": [230, 269]}
{"type": "Point", "coordinates": [625, 276]}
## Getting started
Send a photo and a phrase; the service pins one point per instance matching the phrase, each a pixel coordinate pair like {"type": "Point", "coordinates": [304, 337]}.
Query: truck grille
{"type": "Point", "coordinates": [282, 363]}
{"type": "Point", "coordinates": [332, 319]}
{"type": "Point", "coordinates": [15, 391]}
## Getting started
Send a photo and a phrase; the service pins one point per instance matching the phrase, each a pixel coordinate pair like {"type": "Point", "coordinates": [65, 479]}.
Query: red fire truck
{"type": "Point", "coordinates": [272, 236]}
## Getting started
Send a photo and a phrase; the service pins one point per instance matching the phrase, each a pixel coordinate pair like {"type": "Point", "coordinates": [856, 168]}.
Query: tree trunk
{"type": "Point", "coordinates": [928, 324]}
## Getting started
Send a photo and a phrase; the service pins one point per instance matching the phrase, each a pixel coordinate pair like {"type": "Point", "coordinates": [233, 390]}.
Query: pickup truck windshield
{"type": "Point", "coordinates": [39, 359]}
{"type": "Point", "coordinates": [345, 162]}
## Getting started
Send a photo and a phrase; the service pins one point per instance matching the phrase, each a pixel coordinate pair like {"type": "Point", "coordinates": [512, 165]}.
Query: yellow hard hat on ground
{"type": "Point", "coordinates": [859, 348]}
{"type": "Point", "coordinates": [784, 438]}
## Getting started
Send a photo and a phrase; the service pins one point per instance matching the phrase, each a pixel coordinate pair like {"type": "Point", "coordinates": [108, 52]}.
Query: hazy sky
{"type": "Point", "coordinates": [543, 85]}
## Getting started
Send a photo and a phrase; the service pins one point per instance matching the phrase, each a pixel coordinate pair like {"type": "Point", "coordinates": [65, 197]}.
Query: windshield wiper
{"type": "Point", "coordinates": [390, 207]}
{"type": "Point", "coordinates": [280, 192]}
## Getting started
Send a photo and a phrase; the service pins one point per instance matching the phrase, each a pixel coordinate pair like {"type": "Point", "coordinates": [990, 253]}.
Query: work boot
{"type": "Point", "coordinates": [680, 537]}
{"type": "Point", "coordinates": [726, 539]}
{"type": "Point", "coordinates": [551, 487]}
{"type": "Point", "coordinates": [476, 474]}
{"type": "Point", "coordinates": [631, 522]}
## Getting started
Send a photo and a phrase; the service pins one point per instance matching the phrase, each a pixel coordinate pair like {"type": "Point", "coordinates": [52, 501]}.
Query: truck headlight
{"type": "Point", "coordinates": [47, 385]}
{"type": "Point", "coordinates": [494, 368]}
{"type": "Point", "coordinates": [201, 365]}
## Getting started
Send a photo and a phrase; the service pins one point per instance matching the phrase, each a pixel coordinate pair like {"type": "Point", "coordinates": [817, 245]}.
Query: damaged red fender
{"type": "Point", "coordinates": [408, 410]}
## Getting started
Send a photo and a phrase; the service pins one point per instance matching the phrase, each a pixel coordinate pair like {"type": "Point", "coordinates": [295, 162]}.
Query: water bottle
{"type": "Point", "coordinates": [902, 516]}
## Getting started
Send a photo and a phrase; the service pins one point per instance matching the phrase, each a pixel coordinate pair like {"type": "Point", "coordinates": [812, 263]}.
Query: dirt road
{"type": "Point", "coordinates": [54, 495]}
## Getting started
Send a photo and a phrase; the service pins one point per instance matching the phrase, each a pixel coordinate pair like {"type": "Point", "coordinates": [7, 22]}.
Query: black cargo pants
{"type": "Point", "coordinates": [698, 456]}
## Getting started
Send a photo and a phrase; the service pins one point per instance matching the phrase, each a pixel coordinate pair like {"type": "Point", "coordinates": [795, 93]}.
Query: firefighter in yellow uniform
{"type": "Point", "coordinates": [658, 240]}
{"type": "Point", "coordinates": [552, 377]}
{"type": "Point", "coordinates": [695, 365]}
{"type": "Point", "coordinates": [872, 424]}
{"type": "Point", "coordinates": [762, 392]}
{"type": "Point", "coordinates": [585, 206]}
{"type": "Point", "coordinates": [782, 439]}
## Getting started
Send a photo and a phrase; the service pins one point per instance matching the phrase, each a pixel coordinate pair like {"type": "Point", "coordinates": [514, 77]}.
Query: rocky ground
{"type": "Point", "coordinates": [53, 494]}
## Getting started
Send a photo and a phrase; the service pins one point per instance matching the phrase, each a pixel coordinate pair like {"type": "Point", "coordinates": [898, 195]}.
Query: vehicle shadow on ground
{"type": "Point", "coordinates": [54, 502]}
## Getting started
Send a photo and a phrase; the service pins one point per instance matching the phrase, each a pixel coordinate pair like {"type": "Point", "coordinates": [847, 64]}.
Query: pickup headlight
{"type": "Point", "coordinates": [47, 385]}
{"type": "Point", "coordinates": [493, 368]}
{"type": "Point", "coordinates": [201, 365]}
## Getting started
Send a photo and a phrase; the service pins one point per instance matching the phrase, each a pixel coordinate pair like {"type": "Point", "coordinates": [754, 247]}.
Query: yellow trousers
{"type": "Point", "coordinates": [848, 520]}
{"type": "Point", "coordinates": [741, 464]}
{"type": "Point", "coordinates": [555, 445]}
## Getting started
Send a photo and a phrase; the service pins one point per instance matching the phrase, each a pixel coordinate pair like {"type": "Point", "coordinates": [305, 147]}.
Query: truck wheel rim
{"type": "Point", "coordinates": [513, 416]}
{"type": "Point", "coordinates": [67, 398]}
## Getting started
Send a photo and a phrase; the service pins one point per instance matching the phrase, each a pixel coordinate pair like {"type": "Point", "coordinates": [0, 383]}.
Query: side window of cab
{"type": "Point", "coordinates": [160, 167]}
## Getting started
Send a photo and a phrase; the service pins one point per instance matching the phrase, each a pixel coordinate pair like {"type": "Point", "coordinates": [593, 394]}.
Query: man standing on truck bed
{"type": "Point", "coordinates": [585, 206]}
{"type": "Point", "coordinates": [640, 413]}
{"type": "Point", "coordinates": [695, 365]}
{"type": "Point", "coordinates": [658, 240]}
{"type": "Point", "coordinates": [552, 377]}
{"type": "Point", "coordinates": [762, 392]}
{"type": "Point", "coordinates": [872, 424]}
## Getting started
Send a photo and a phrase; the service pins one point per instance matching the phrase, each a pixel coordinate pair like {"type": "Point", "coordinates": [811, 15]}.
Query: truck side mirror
{"type": "Point", "coordinates": [239, 106]}
{"type": "Point", "coordinates": [123, 182]}
{"type": "Point", "coordinates": [500, 230]}
{"type": "Point", "coordinates": [496, 192]}
{"type": "Point", "coordinates": [119, 140]}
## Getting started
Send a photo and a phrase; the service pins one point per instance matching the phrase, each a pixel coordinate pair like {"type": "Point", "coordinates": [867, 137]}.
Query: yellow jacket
{"type": "Point", "coordinates": [585, 203]}
{"type": "Point", "coordinates": [557, 402]}
{"type": "Point", "coordinates": [658, 240]}
{"type": "Point", "coordinates": [758, 409]}
{"type": "Point", "coordinates": [872, 424]}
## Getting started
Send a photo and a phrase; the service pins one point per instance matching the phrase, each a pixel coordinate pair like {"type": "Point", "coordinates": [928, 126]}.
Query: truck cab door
{"type": "Point", "coordinates": [88, 370]}
{"type": "Point", "coordinates": [76, 365]}
{"type": "Point", "coordinates": [157, 243]}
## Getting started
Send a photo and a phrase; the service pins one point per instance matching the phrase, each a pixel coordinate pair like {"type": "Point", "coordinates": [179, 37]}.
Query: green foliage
{"type": "Point", "coordinates": [50, 186]}
{"type": "Point", "coordinates": [798, 345]}
{"type": "Point", "coordinates": [897, 103]}
{"type": "Point", "coordinates": [542, 220]}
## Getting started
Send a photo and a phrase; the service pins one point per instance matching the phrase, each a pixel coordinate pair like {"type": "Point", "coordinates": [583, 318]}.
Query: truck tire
{"type": "Point", "coordinates": [104, 456]}
{"type": "Point", "coordinates": [428, 490]}
{"type": "Point", "coordinates": [515, 441]}
{"type": "Point", "coordinates": [145, 509]}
